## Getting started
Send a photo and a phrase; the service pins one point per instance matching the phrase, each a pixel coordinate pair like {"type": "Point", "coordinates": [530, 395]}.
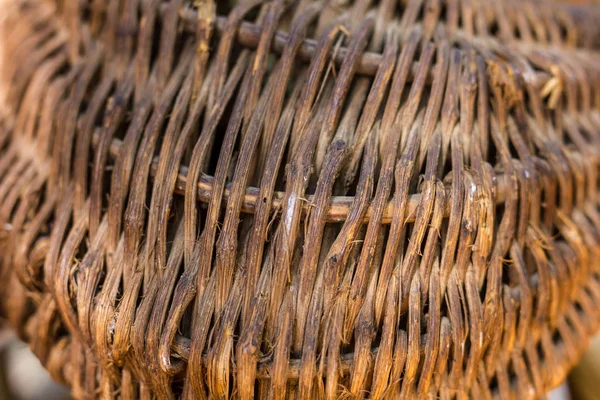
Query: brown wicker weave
{"type": "Point", "coordinates": [303, 199]}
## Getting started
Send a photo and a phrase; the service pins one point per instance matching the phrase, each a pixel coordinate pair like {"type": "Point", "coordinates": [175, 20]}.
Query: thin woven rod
{"type": "Point", "coordinates": [272, 199]}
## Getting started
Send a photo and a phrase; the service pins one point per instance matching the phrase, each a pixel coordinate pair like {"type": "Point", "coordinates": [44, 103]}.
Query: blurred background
{"type": "Point", "coordinates": [21, 374]}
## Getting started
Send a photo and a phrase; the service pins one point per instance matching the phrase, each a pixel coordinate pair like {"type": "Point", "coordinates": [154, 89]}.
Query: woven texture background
{"type": "Point", "coordinates": [386, 199]}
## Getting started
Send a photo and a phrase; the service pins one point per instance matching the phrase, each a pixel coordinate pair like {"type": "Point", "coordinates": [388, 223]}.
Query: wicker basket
{"type": "Point", "coordinates": [303, 199]}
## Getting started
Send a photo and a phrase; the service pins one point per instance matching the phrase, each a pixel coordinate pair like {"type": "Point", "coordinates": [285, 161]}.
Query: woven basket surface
{"type": "Point", "coordinates": [301, 198]}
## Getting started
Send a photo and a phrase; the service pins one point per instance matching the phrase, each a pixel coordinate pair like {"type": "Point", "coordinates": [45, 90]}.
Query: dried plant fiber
{"type": "Point", "coordinates": [301, 198]}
